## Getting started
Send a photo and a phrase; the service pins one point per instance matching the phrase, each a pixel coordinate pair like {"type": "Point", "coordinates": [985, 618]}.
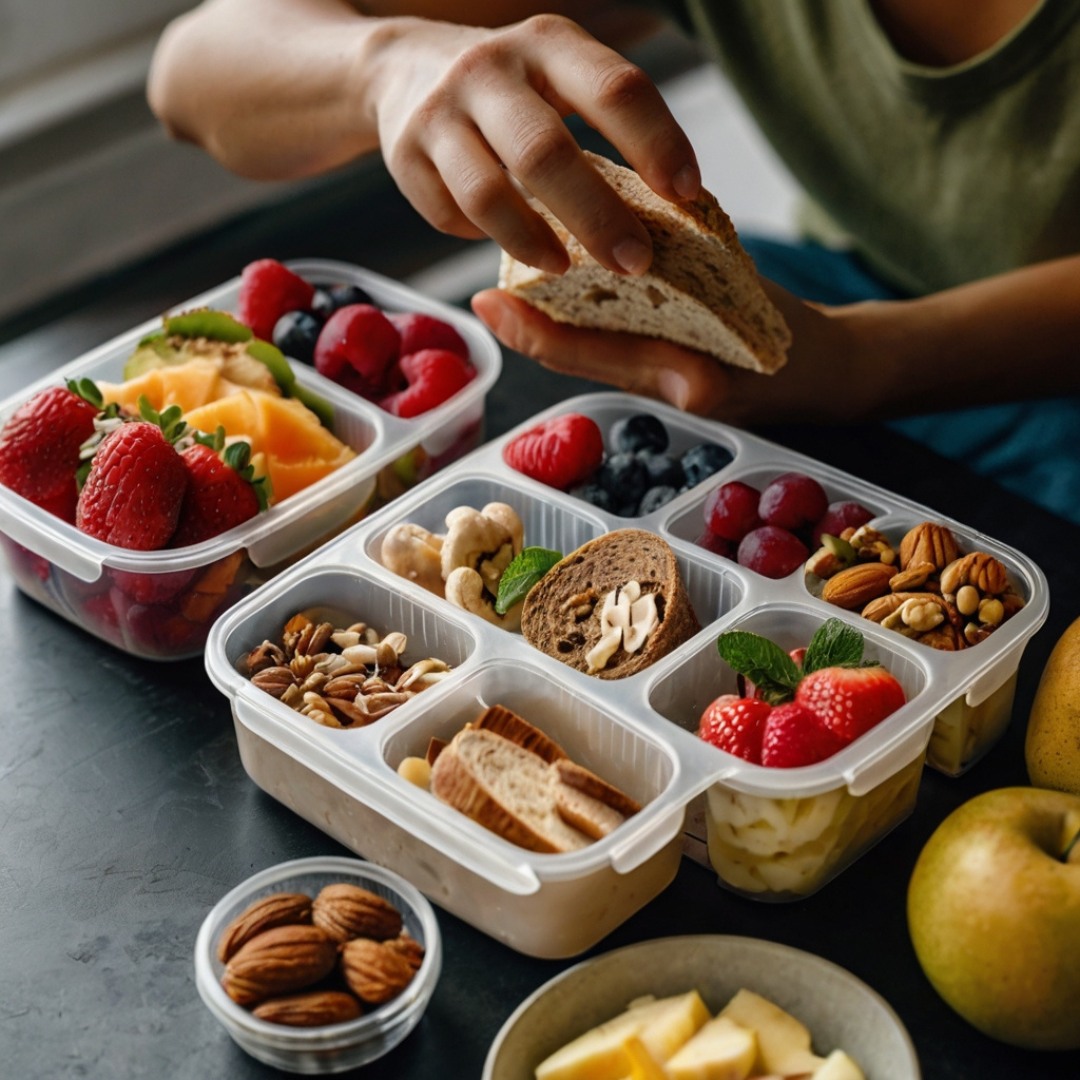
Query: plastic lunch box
{"type": "Point", "coordinates": [772, 834]}
{"type": "Point", "coordinates": [74, 574]}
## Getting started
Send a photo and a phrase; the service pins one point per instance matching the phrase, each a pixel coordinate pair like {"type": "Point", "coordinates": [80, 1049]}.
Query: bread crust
{"type": "Point", "coordinates": [702, 290]}
{"type": "Point", "coordinates": [561, 613]}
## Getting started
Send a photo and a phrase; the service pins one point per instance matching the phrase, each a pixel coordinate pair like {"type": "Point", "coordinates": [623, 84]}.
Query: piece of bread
{"type": "Point", "coordinates": [701, 291]}
{"type": "Point", "coordinates": [562, 614]}
{"type": "Point", "coordinates": [517, 782]}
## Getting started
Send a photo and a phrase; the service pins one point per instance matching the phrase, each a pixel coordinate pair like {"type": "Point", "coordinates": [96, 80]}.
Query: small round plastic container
{"type": "Point", "coordinates": [333, 1048]}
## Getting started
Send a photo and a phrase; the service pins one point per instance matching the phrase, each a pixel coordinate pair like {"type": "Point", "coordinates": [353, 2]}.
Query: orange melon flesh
{"type": "Point", "coordinates": [283, 432]}
{"type": "Point", "coordinates": [189, 385]}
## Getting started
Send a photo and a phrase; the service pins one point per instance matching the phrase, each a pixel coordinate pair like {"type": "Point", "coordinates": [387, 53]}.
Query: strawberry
{"type": "Point", "coordinates": [794, 736]}
{"type": "Point", "coordinates": [850, 700]}
{"type": "Point", "coordinates": [268, 289]}
{"type": "Point", "coordinates": [134, 489]}
{"type": "Point", "coordinates": [39, 446]}
{"type": "Point", "coordinates": [736, 725]}
{"type": "Point", "coordinates": [221, 491]}
{"type": "Point", "coordinates": [434, 376]}
{"type": "Point", "coordinates": [561, 452]}
{"type": "Point", "coordinates": [419, 331]}
{"type": "Point", "coordinates": [357, 347]}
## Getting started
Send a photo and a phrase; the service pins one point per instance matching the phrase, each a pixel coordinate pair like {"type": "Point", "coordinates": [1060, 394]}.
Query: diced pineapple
{"type": "Point", "coordinates": [783, 1042]}
{"type": "Point", "coordinates": [721, 1050]}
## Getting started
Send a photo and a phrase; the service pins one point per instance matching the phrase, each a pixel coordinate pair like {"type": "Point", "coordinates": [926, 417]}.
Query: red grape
{"type": "Point", "coordinates": [772, 551]}
{"type": "Point", "coordinates": [792, 501]}
{"type": "Point", "coordinates": [731, 510]}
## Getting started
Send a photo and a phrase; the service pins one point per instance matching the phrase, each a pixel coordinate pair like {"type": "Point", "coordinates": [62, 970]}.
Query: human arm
{"type": "Point", "coordinates": [462, 113]}
{"type": "Point", "coordinates": [1011, 337]}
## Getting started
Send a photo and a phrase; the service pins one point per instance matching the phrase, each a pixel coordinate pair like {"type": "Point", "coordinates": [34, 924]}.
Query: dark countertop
{"type": "Point", "coordinates": [126, 811]}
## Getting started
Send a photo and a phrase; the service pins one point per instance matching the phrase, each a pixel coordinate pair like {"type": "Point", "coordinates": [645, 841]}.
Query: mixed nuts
{"type": "Point", "coordinates": [302, 961]}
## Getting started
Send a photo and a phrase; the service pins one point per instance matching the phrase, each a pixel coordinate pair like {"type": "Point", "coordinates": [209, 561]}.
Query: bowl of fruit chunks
{"type": "Point", "coordinates": [625, 464]}
{"type": "Point", "coordinates": [319, 965]}
{"type": "Point", "coordinates": [823, 751]}
{"type": "Point", "coordinates": [148, 485]}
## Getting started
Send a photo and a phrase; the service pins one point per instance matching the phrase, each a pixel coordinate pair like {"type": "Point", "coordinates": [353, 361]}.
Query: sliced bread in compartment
{"type": "Point", "coordinates": [495, 771]}
{"type": "Point", "coordinates": [702, 289]}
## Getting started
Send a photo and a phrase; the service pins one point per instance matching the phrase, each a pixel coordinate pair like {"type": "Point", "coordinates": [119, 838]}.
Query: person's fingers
{"type": "Point", "coordinates": [659, 369]}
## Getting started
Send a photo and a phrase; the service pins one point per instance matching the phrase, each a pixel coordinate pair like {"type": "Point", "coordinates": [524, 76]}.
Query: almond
{"type": "Point", "coordinates": [279, 909]}
{"type": "Point", "coordinates": [409, 947]}
{"type": "Point", "coordinates": [278, 961]}
{"type": "Point", "coordinates": [313, 1009]}
{"type": "Point", "coordinates": [374, 971]}
{"type": "Point", "coordinates": [856, 586]}
{"type": "Point", "coordinates": [346, 911]}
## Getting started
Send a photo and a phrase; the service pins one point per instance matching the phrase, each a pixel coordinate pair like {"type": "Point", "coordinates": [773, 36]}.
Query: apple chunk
{"type": "Point", "coordinates": [721, 1050]}
{"type": "Point", "coordinates": [783, 1042]}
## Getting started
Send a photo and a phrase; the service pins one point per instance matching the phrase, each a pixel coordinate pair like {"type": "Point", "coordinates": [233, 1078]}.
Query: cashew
{"type": "Point", "coordinates": [465, 588]}
{"type": "Point", "coordinates": [481, 542]}
{"type": "Point", "coordinates": [414, 553]}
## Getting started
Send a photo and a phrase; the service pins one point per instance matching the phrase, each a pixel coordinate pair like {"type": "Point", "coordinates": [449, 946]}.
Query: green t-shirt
{"type": "Point", "coordinates": [936, 176]}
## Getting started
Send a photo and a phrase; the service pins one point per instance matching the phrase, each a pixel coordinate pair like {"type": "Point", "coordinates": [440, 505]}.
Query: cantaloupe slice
{"type": "Point", "coordinates": [188, 385]}
{"type": "Point", "coordinates": [284, 434]}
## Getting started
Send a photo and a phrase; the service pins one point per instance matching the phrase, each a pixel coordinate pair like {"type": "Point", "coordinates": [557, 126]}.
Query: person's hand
{"type": "Point", "coordinates": [822, 382]}
{"type": "Point", "coordinates": [468, 117]}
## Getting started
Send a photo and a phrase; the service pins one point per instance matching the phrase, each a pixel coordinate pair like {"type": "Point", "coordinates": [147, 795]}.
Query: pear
{"type": "Point", "coordinates": [1052, 744]}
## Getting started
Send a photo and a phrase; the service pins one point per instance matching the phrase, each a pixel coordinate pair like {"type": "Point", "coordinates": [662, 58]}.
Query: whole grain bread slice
{"type": "Point", "coordinates": [561, 613]}
{"type": "Point", "coordinates": [702, 289]}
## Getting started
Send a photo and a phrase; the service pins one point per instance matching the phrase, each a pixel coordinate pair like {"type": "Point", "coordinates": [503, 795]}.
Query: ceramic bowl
{"type": "Point", "coordinates": [840, 1010]}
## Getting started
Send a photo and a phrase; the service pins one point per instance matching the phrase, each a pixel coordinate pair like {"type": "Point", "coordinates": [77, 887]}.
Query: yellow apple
{"type": "Point", "coordinates": [993, 910]}
{"type": "Point", "coordinates": [1052, 741]}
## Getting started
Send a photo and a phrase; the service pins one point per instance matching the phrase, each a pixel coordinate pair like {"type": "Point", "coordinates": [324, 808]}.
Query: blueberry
{"type": "Point", "coordinates": [641, 431]}
{"type": "Point", "coordinates": [702, 460]}
{"type": "Point", "coordinates": [626, 479]}
{"type": "Point", "coordinates": [594, 494]}
{"type": "Point", "coordinates": [655, 497]}
{"type": "Point", "coordinates": [329, 298]}
{"type": "Point", "coordinates": [663, 469]}
{"type": "Point", "coordinates": [295, 334]}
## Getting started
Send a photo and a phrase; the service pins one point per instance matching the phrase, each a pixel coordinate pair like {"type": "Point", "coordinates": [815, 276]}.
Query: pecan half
{"type": "Point", "coordinates": [313, 1009]}
{"type": "Point", "coordinates": [928, 542]}
{"type": "Point", "coordinates": [986, 573]}
{"type": "Point", "coordinates": [346, 911]}
{"type": "Point", "coordinates": [279, 909]}
{"type": "Point", "coordinates": [278, 961]}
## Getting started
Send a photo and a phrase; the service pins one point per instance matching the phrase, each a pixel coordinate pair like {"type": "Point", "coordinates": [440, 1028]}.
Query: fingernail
{"type": "Point", "coordinates": [687, 181]}
{"type": "Point", "coordinates": [673, 387]}
{"type": "Point", "coordinates": [632, 255]}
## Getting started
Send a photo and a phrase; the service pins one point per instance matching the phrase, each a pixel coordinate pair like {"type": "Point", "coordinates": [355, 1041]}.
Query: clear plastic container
{"type": "Point", "coordinates": [160, 604]}
{"type": "Point", "coordinates": [638, 732]}
{"type": "Point", "coordinates": [332, 1048]}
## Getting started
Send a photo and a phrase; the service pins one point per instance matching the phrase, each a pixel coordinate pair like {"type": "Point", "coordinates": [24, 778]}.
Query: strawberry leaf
{"type": "Point", "coordinates": [763, 662]}
{"type": "Point", "coordinates": [88, 390]}
{"type": "Point", "coordinates": [834, 644]}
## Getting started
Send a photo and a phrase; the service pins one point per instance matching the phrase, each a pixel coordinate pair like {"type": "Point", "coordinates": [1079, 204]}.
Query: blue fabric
{"type": "Point", "coordinates": [1031, 448]}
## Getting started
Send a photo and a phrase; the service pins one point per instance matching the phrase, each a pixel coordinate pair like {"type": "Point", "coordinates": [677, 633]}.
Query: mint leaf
{"type": "Point", "coordinates": [834, 644]}
{"type": "Point", "coordinates": [761, 661]}
{"type": "Point", "coordinates": [524, 571]}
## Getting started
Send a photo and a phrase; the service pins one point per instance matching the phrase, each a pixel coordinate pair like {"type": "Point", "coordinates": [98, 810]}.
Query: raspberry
{"type": "Point", "coordinates": [357, 347]}
{"type": "Point", "coordinates": [434, 376]}
{"type": "Point", "coordinates": [267, 290]}
{"type": "Point", "coordinates": [561, 452]}
{"type": "Point", "coordinates": [419, 331]}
